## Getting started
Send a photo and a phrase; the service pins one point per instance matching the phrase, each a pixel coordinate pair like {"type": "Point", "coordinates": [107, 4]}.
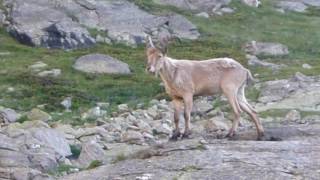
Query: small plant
{"type": "Point", "coordinates": [75, 150]}
{"type": "Point", "coordinates": [94, 164]}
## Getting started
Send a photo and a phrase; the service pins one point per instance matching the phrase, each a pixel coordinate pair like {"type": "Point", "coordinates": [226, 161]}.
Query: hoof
{"type": "Point", "coordinates": [186, 135]}
{"type": "Point", "coordinates": [261, 137]}
{"type": "Point", "coordinates": [231, 134]}
{"type": "Point", "coordinates": [175, 135]}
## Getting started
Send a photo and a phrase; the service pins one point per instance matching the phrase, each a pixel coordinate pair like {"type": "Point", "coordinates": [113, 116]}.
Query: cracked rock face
{"type": "Point", "coordinates": [209, 158]}
{"type": "Point", "coordinates": [65, 24]}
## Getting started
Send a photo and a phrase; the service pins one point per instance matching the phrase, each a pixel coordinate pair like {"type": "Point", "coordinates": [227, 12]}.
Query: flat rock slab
{"type": "Point", "coordinates": [244, 158]}
{"type": "Point", "coordinates": [100, 63]}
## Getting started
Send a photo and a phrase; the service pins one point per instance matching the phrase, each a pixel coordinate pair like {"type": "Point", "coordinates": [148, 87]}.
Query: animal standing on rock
{"type": "Point", "coordinates": [184, 79]}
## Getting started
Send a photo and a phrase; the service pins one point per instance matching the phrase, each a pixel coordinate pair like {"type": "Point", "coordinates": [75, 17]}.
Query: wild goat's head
{"type": "Point", "coordinates": [155, 55]}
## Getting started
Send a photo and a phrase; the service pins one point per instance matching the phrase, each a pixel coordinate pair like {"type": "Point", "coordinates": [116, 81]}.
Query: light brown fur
{"type": "Point", "coordinates": [184, 79]}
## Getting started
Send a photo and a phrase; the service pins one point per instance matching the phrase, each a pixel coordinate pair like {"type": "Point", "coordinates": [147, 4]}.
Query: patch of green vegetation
{"type": "Point", "coordinates": [22, 119]}
{"type": "Point", "coordinates": [284, 112]}
{"type": "Point", "coordinates": [61, 170]}
{"type": "Point", "coordinates": [274, 113]}
{"type": "Point", "coordinates": [75, 150]}
{"type": "Point", "coordinates": [191, 168]}
{"type": "Point", "coordinates": [252, 93]}
{"type": "Point", "coordinates": [119, 157]}
{"type": "Point", "coordinates": [309, 113]}
{"type": "Point", "coordinates": [95, 164]}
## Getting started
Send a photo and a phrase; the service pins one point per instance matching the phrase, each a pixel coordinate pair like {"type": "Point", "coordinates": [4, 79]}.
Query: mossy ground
{"type": "Point", "coordinates": [221, 36]}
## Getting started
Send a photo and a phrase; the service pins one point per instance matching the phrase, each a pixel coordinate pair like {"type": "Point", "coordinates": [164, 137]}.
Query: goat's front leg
{"type": "Point", "coordinates": [188, 102]}
{"type": "Point", "coordinates": [178, 107]}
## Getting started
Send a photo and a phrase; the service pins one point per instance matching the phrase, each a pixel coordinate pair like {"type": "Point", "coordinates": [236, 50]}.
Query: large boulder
{"type": "Point", "coordinates": [32, 144]}
{"type": "Point", "coordinates": [53, 139]}
{"type": "Point", "coordinates": [266, 48]}
{"type": "Point", "coordinates": [65, 24]}
{"type": "Point", "coordinates": [99, 63]}
{"type": "Point", "coordinates": [8, 115]}
{"type": "Point", "coordinates": [42, 24]}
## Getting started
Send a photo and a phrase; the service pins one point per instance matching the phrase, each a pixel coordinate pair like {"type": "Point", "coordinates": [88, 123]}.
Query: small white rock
{"type": "Point", "coordinates": [306, 66]}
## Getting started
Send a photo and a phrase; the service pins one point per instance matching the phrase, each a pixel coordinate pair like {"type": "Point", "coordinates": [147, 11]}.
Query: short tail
{"type": "Point", "coordinates": [250, 79]}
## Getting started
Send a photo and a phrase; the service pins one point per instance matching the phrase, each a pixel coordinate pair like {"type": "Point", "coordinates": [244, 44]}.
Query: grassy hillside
{"type": "Point", "coordinates": [221, 36]}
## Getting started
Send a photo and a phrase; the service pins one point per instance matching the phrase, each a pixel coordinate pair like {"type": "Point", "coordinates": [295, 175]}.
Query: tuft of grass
{"type": "Point", "coordinates": [95, 164]}
{"type": "Point", "coordinates": [119, 157]}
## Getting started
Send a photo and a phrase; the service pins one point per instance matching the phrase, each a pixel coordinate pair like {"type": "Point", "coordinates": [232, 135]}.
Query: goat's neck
{"type": "Point", "coordinates": [167, 72]}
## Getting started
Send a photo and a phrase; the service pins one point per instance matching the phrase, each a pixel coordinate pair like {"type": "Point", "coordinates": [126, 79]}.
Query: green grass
{"type": "Point", "coordinates": [95, 164]}
{"type": "Point", "coordinates": [222, 36]}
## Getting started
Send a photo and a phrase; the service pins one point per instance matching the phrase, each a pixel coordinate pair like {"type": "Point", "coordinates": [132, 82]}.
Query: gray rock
{"type": "Point", "coordinates": [8, 115]}
{"type": "Point", "coordinates": [50, 73]}
{"type": "Point", "coordinates": [42, 24]}
{"type": "Point", "coordinates": [315, 3]}
{"type": "Point", "coordinates": [123, 108]}
{"type": "Point", "coordinates": [299, 92]}
{"type": "Point", "coordinates": [53, 139]}
{"type": "Point", "coordinates": [90, 151]}
{"type": "Point", "coordinates": [9, 158]}
{"type": "Point", "coordinates": [36, 67]}
{"type": "Point", "coordinates": [253, 3]}
{"type": "Point", "coordinates": [182, 28]}
{"type": "Point", "coordinates": [254, 61]}
{"type": "Point", "coordinates": [38, 115]}
{"type": "Point", "coordinates": [306, 66]}
{"type": "Point", "coordinates": [203, 14]}
{"type": "Point", "coordinates": [133, 137]}
{"type": "Point", "coordinates": [126, 23]}
{"type": "Point", "coordinates": [99, 63]}
{"type": "Point", "coordinates": [266, 48]}
{"type": "Point", "coordinates": [94, 113]}
{"type": "Point", "coordinates": [292, 6]}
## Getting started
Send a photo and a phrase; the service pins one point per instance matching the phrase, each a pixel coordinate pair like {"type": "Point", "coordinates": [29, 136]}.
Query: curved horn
{"type": "Point", "coordinates": [150, 42]}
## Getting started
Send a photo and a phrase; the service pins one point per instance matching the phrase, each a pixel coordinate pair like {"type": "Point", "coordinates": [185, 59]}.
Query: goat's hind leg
{"type": "Point", "coordinates": [245, 106]}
